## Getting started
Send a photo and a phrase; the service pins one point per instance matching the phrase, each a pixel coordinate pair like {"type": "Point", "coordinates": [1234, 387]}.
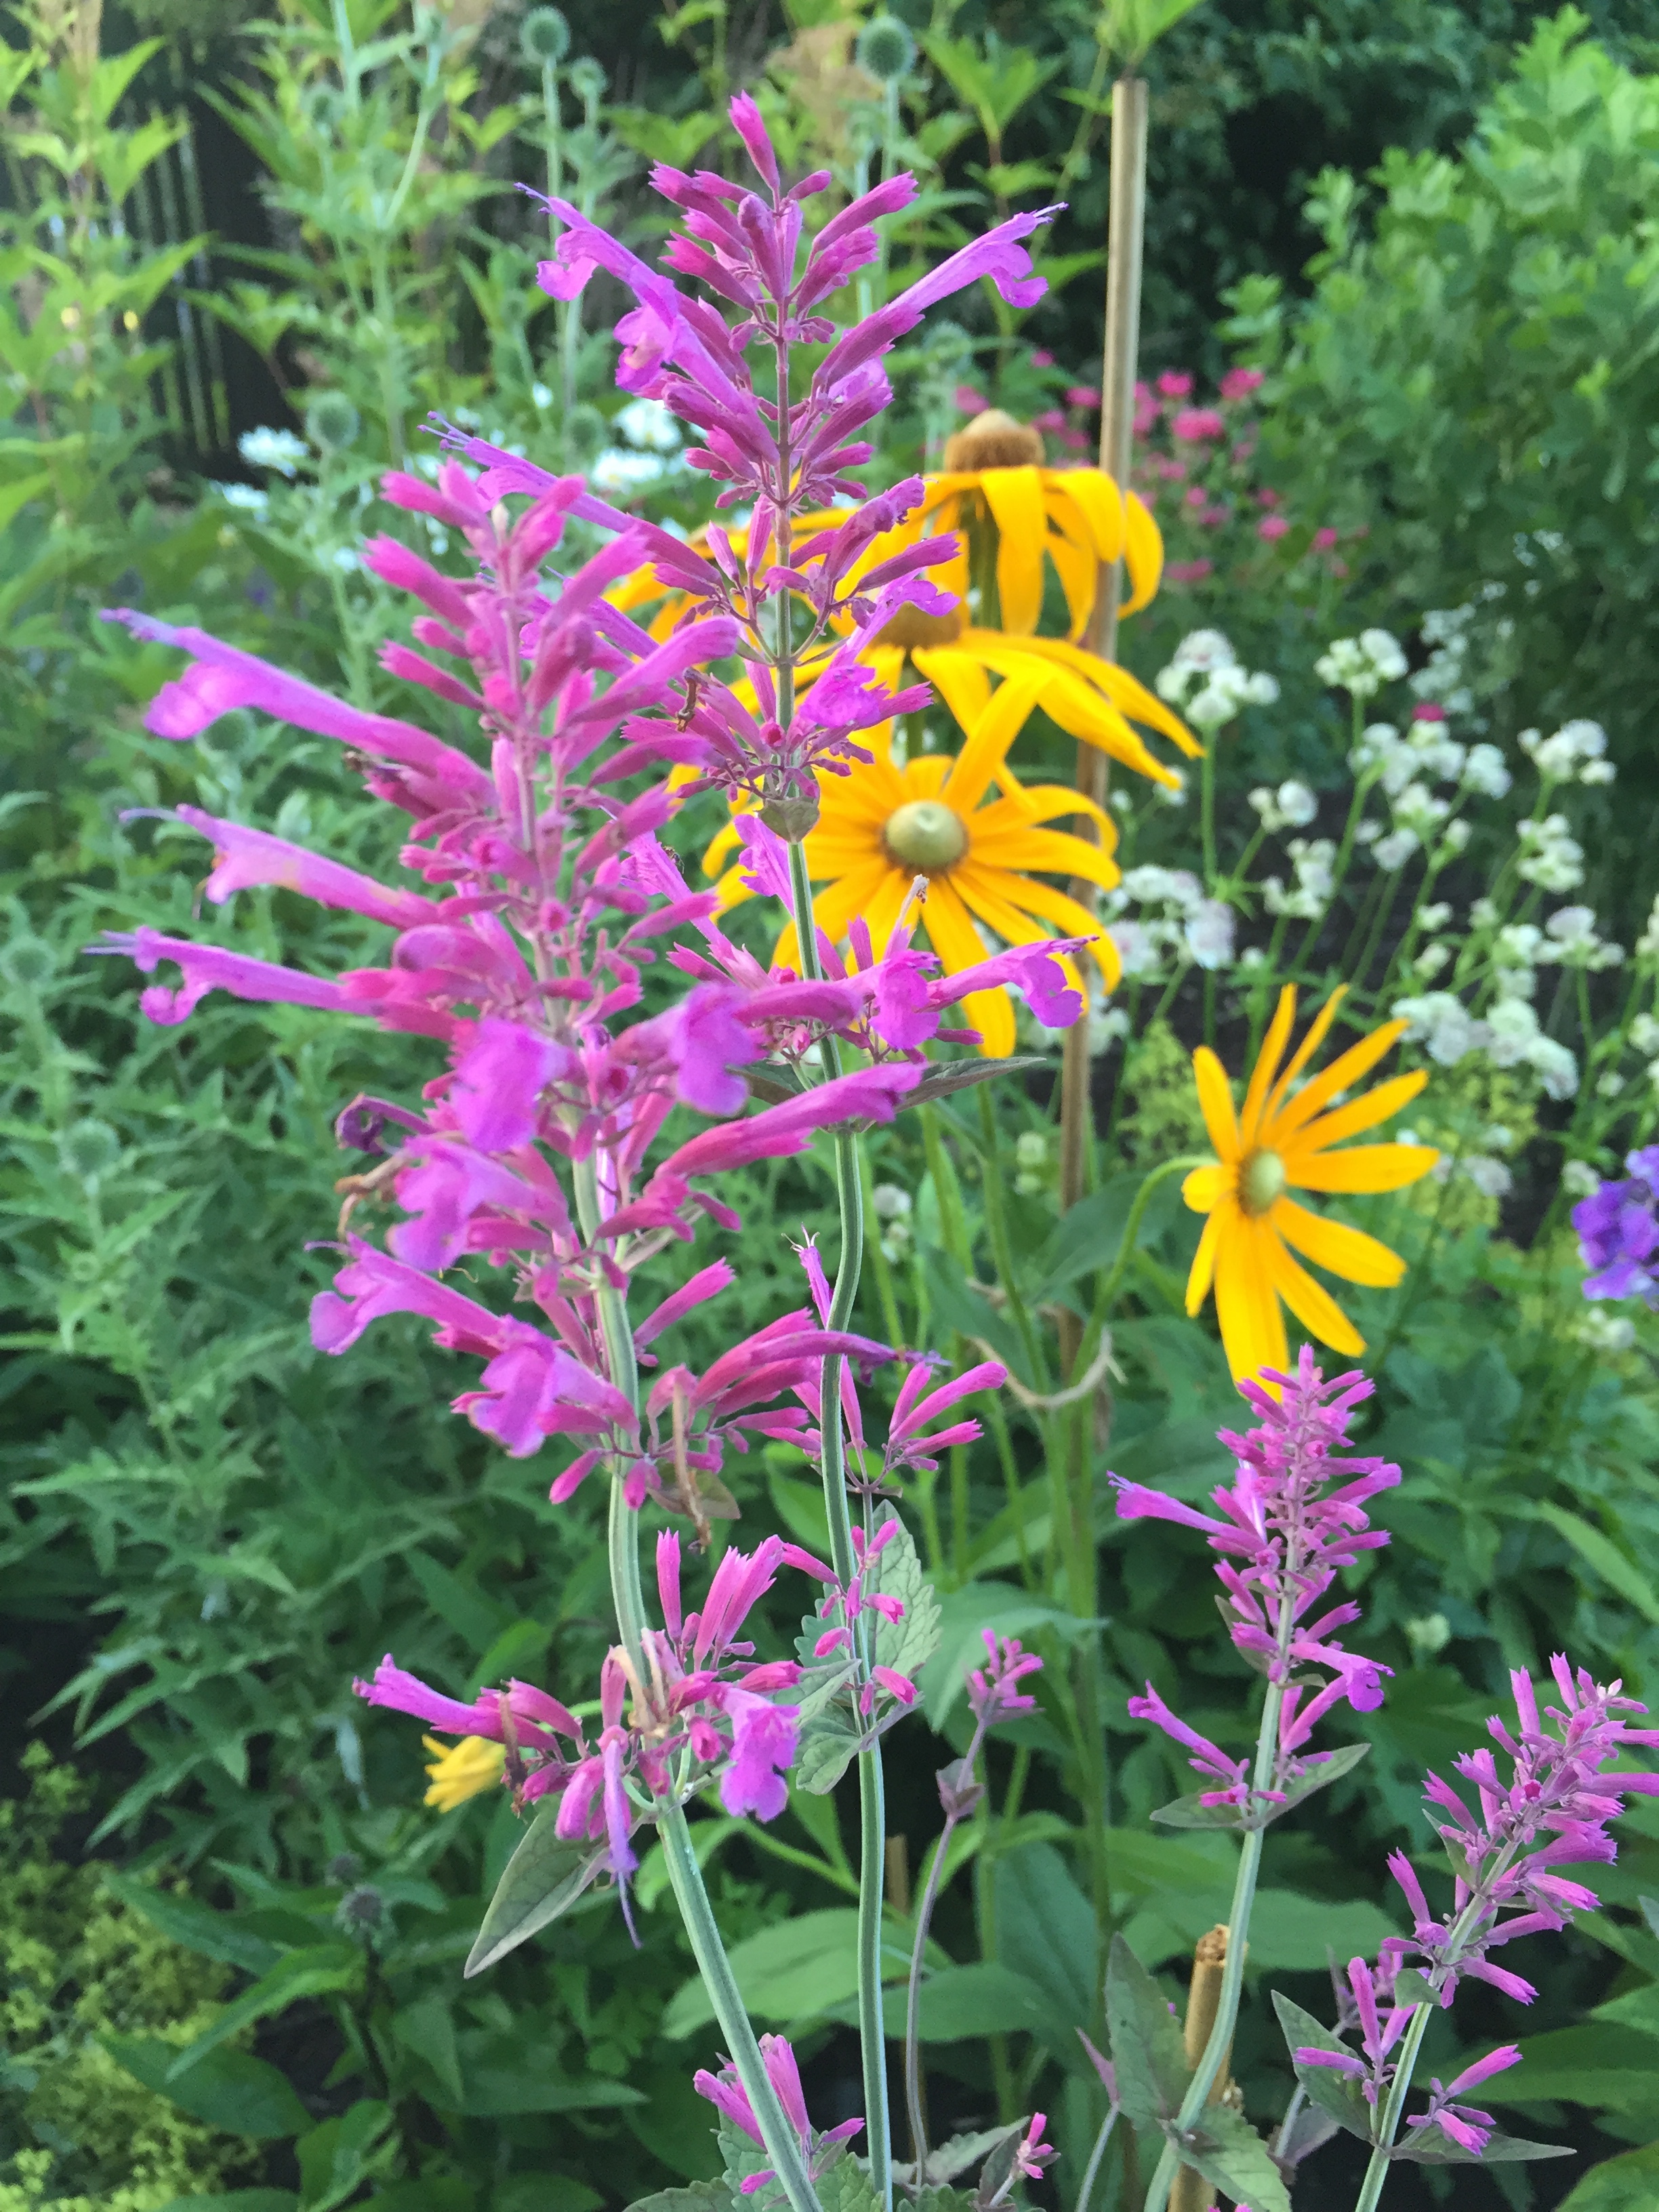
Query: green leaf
{"type": "Point", "coordinates": [337, 2156]}
{"type": "Point", "coordinates": [1192, 1812]}
{"type": "Point", "coordinates": [238, 2200]}
{"type": "Point", "coordinates": [1227, 2151]}
{"type": "Point", "coordinates": [831, 1730]}
{"type": "Point", "coordinates": [846, 2187]}
{"type": "Point", "coordinates": [1338, 2095]}
{"type": "Point", "coordinates": [318, 1972]}
{"type": "Point", "coordinates": [1599, 1552]}
{"type": "Point", "coordinates": [1146, 2043]}
{"type": "Point", "coordinates": [230, 2090]}
{"type": "Point", "coordinates": [958, 2002]}
{"type": "Point", "coordinates": [544, 1878]}
{"type": "Point", "coordinates": [1629, 2183]}
{"type": "Point", "coordinates": [695, 2196]}
{"type": "Point", "coordinates": [210, 1935]}
{"type": "Point", "coordinates": [1608, 2069]}
{"type": "Point", "coordinates": [1429, 2146]}
{"type": "Point", "coordinates": [1046, 1932]}
{"type": "Point", "coordinates": [427, 2028]}
{"type": "Point", "coordinates": [791, 1971]}
{"type": "Point", "coordinates": [954, 1075]}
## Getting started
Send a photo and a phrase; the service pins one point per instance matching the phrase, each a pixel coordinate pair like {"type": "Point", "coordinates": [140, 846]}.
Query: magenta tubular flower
{"type": "Point", "coordinates": [725, 2092]}
{"type": "Point", "coordinates": [1293, 1514]}
{"type": "Point", "coordinates": [993, 1690]}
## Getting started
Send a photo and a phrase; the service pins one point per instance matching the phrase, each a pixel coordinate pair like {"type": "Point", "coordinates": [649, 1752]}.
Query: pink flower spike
{"type": "Point", "coordinates": [896, 1686]}
{"type": "Point", "coordinates": [746, 122]}
{"type": "Point", "coordinates": [668, 1579]}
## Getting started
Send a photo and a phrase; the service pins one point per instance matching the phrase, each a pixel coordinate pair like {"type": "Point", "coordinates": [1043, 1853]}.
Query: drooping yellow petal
{"type": "Point", "coordinates": [1084, 714]}
{"type": "Point", "coordinates": [1204, 1188]}
{"type": "Point", "coordinates": [1344, 1071]}
{"type": "Point", "coordinates": [1004, 900]}
{"type": "Point", "coordinates": [1215, 1100]}
{"type": "Point", "coordinates": [994, 730]}
{"type": "Point", "coordinates": [1015, 499]}
{"type": "Point", "coordinates": [953, 937]}
{"type": "Point", "coordinates": [1098, 504]}
{"type": "Point", "coordinates": [1124, 690]}
{"type": "Point", "coordinates": [1051, 849]}
{"type": "Point", "coordinates": [1362, 1113]}
{"type": "Point", "coordinates": [1312, 1304]}
{"type": "Point", "coordinates": [1143, 554]}
{"type": "Point", "coordinates": [460, 1771]}
{"type": "Point", "coordinates": [1202, 1273]}
{"type": "Point", "coordinates": [1346, 1251]}
{"type": "Point", "coordinates": [1246, 1304]}
{"type": "Point", "coordinates": [958, 677]}
{"type": "Point", "coordinates": [1078, 572]}
{"type": "Point", "coordinates": [1267, 1064]}
{"type": "Point", "coordinates": [1045, 802]}
{"type": "Point", "coordinates": [1361, 1168]}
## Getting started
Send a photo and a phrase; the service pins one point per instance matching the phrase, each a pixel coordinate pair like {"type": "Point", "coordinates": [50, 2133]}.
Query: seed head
{"type": "Point", "coordinates": [886, 49]}
{"type": "Point", "coordinates": [545, 36]}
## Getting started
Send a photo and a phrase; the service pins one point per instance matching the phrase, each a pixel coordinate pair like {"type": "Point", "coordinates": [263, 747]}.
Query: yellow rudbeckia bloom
{"type": "Point", "coordinates": [460, 1771]}
{"type": "Point", "coordinates": [1279, 1141]}
{"type": "Point", "coordinates": [995, 470]}
{"type": "Point", "coordinates": [882, 826]}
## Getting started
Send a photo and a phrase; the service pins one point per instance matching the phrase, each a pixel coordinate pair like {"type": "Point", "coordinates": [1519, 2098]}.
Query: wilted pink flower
{"type": "Point", "coordinates": [1086, 396]}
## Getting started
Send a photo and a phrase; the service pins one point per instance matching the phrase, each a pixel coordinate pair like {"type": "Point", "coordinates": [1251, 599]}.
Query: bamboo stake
{"type": "Point", "coordinates": [1125, 227]}
{"type": "Point", "coordinates": [1191, 2193]}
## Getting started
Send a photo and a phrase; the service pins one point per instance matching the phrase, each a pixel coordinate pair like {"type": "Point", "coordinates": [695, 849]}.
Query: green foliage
{"type": "Point", "coordinates": [1476, 362]}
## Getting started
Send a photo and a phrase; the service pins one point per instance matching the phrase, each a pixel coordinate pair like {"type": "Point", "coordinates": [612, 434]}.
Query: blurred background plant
{"type": "Point", "coordinates": [245, 260]}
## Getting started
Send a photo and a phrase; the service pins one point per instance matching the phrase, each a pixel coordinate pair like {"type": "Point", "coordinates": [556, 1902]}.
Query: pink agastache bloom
{"type": "Point", "coordinates": [993, 1690]}
{"type": "Point", "coordinates": [697, 1710]}
{"type": "Point", "coordinates": [912, 1441]}
{"type": "Point", "coordinates": [1286, 1531]}
{"type": "Point", "coordinates": [727, 2094]}
{"type": "Point", "coordinates": [1553, 1811]}
{"type": "Point", "coordinates": [883, 1693]}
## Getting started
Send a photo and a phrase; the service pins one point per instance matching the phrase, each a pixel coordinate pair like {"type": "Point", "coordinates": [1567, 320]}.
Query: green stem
{"type": "Point", "coordinates": [685, 1878]}
{"type": "Point", "coordinates": [1002, 1252]}
{"type": "Point", "coordinates": [872, 1811]}
{"type": "Point", "coordinates": [1181, 1165]}
{"type": "Point", "coordinates": [1238, 1927]}
{"type": "Point", "coordinates": [1378, 2172]}
{"type": "Point", "coordinates": [1091, 2171]}
{"type": "Point", "coordinates": [912, 1995]}
{"type": "Point", "coordinates": [1207, 813]}
{"type": "Point", "coordinates": [881, 1267]}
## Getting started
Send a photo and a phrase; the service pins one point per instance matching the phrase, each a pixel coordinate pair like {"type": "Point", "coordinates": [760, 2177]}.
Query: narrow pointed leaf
{"type": "Point", "coordinates": [1146, 2049]}
{"type": "Point", "coordinates": [544, 1878]}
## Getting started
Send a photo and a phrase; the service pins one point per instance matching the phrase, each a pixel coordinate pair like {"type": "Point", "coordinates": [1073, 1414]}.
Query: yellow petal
{"type": "Point", "coordinates": [1043, 802]}
{"type": "Point", "coordinates": [1143, 554]}
{"type": "Point", "coordinates": [1015, 499]}
{"type": "Point", "coordinates": [1312, 1304]}
{"type": "Point", "coordinates": [1246, 1304]}
{"type": "Point", "coordinates": [1204, 1188]}
{"type": "Point", "coordinates": [1202, 1273]}
{"type": "Point", "coordinates": [1005, 900]}
{"type": "Point", "coordinates": [994, 732]}
{"type": "Point", "coordinates": [1125, 692]}
{"type": "Point", "coordinates": [1362, 1113]}
{"type": "Point", "coordinates": [1080, 574]}
{"type": "Point", "coordinates": [1097, 502]}
{"type": "Point", "coordinates": [1318, 1030]}
{"type": "Point", "coordinates": [953, 937]}
{"type": "Point", "coordinates": [1084, 714]}
{"type": "Point", "coordinates": [1046, 848]}
{"type": "Point", "coordinates": [1361, 1168]}
{"type": "Point", "coordinates": [1267, 1063]}
{"type": "Point", "coordinates": [958, 677]}
{"type": "Point", "coordinates": [1346, 1251]}
{"type": "Point", "coordinates": [1215, 1101]}
{"type": "Point", "coordinates": [1344, 1071]}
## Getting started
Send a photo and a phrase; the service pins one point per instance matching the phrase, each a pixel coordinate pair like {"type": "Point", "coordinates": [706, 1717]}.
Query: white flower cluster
{"type": "Point", "coordinates": [273, 449]}
{"type": "Point", "coordinates": [647, 424]}
{"type": "Point", "coordinates": [1575, 754]}
{"type": "Point", "coordinates": [1361, 665]}
{"type": "Point", "coordinates": [652, 450]}
{"type": "Point", "coordinates": [1569, 939]}
{"type": "Point", "coordinates": [1312, 861]}
{"type": "Point", "coordinates": [1551, 856]}
{"type": "Point", "coordinates": [893, 1210]}
{"type": "Point", "coordinates": [1600, 1331]}
{"type": "Point", "coordinates": [1647, 945]}
{"type": "Point", "coordinates": [1509, 1036]}
{"type": "Point", "coordinates": [1205, 657]}
{"type": "Point", "coordinates": [1407, 766]}
{"type": "Point", "coordinates": [1445, 631]}
{"type": "Point", "coordinates": [1292, 806]}
{"type": "Point", "coordinates": [1184, 921]}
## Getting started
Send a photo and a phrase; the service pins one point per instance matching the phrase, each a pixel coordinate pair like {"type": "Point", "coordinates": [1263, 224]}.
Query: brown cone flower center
{"type": "Point", "coordinates": [925, 835]}
{"type": "Point", "coordinates": [1261, 1179]}
{"type": "Point", "coordinates": [993, 440]}
{"type": "Point", "coordinates": [910, 627]}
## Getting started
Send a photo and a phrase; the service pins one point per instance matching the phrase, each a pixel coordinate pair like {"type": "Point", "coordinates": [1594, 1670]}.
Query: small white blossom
{"type": "Point", "coordinates": [1176, 887]}
{"type": "Point", "coordinates": [273, 449]}
{"type": "Point", "coordinates": [1604, 1331]}
{"type": "Point", "coordinates": [542, 396]}
{"type": "Point", "coordinates": [1199, 653]}
{"type": "Point", "coordinates": [1579, 1179]}
{"type": "Point", "coordinates": [1577, 750]}
{"type": "Point", "coordinates": [621, 472]}
{"type": "Point", "coordinates": [1429, 960]}
{"type": "Point", "coordinates": [1209, 934]}
{"type": "Point", "coordinates": [890, 1202]}
{"type": "Point", "coordinates": [1136, 948]}
{"type": "Point", "coordinates": [1550, 856]}
{"type": "Point", "coordinates": [1485, 772]}
{"type": "Point", "coordinates": [1490, 1176]}
{"type": "Point", "coordinates": [1435, 915]}
{"type": "Point", "coordinates": [1609, 1086]}
{"type": "Point", "coordinates": [1645, 1036]}
{"type": "Point", "coordinates": [1395, 849]}
{"type": "Point", "coordinates": [1443, 1024]}
{"type": "Point", "coordinates": [1647, 945]}
{"type": "Point", "coordinates": [248, 499]}
{"type": "Point", "coordinates": [1292, 806]}
{"type": "Point", "coordinates": [1556, 1068]}
{"type": "Point", "coordinates": [648, 424]}
{"type": "Point", "coordinates": [1483, 913]}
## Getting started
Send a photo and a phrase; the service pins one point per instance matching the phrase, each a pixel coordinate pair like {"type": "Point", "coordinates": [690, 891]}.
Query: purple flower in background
{"type": "Point", "coordinates": [1619, 1233]}
{"type": "Point", "coordinates": [1293, 1514]}
{"type": "Point", "coordinates": [993, 1690]}
{"type": "Point", "coordinates": [1469, 2129]}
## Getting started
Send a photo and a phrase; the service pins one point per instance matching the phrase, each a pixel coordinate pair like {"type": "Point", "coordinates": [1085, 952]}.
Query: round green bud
{"type": "Point", "coordinates": [585, 433]}
{"type": "Point", "coordinates": [89, 1149]}
{"type": "Point", "coordinates": [545, 36]}
{"type": "Point", "coordinates": [886, 49]}
{"type": "Point", "coordinates": [333, 423]}
{"type": "Point", "coordinates": [26, 962]}
{"type": "Point", "coordinates": [587, 80]}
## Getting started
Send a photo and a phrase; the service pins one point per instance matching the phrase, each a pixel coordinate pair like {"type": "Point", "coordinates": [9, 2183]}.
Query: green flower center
{"type": "Point", "coordinates": [1261, 1179]}
{"type": "Point", "coordinates": [927, 835]}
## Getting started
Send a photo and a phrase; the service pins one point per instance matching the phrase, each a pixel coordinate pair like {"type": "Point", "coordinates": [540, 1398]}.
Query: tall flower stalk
{"type": "Point", "coordinates": [547, 892]}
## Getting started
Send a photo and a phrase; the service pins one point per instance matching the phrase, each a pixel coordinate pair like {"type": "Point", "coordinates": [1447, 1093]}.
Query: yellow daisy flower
{"type": "Point", "coordinates": [1279, 1141]}
{"type": "Point", "coordinates": [883, 825]}
{"type": "Point", "coordinates": [460, 1771]}
{"type": "Point", "coordinates": [995, 470]}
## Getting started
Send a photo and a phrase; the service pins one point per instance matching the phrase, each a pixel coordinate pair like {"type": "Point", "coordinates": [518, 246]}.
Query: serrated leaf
{"type": "Point", "coordinates": [958, 1074]}
{"type": "Point", "coordinates": [1146, 2049]}
{"type": "Point", "coordinates": [1338, 2096]}
{"type": "Point", "coordinates": [1227, 2151]}
{"type": "Point", "coordinates": [1429, 2146]}
{"type": "Point", "coordinates": [846, 2187]}
{"type": "Point", "coordinates": [946, 2161]}
{"type": "Point", "coordinates": [1191, 1812]}
{"type": "Point", "coordinates": [693, 2197]}
{"type": "Point", "coordinates": [907, 1645]}
{"type": "Point", "coordinates": [831, 1731]}
{"type": "Point", "coordinates": [1411, 1988]}
{"type": "Point", "coordinates": [542, 1879]}
{"type": "Point", "coordinates": [828, 1743]}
